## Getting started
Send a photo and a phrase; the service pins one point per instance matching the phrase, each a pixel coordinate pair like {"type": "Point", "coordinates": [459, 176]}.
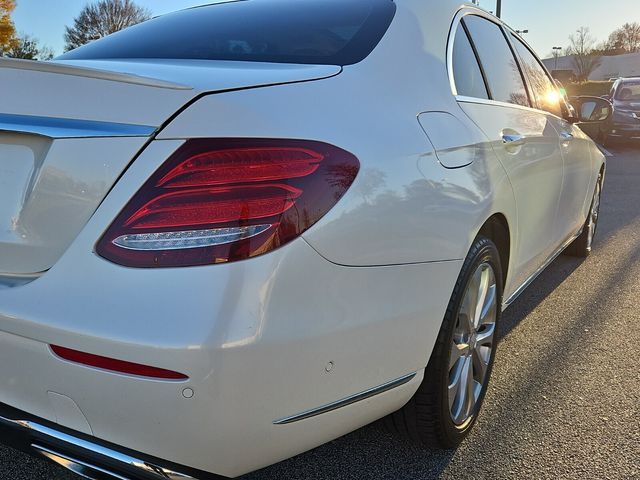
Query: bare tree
{"type": "Point", "coordinates": [627, 37]}
{"type": "Point", "coordinates": [609, 47]}
{"type": "Point", "coordinates": [582, 48]}
{"type": "Point", "coordinates": [29, 48]}
{"type": "Point", "coordinates": [103, 18]}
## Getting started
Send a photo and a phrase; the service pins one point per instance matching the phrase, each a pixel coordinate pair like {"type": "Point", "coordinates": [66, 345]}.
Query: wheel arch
{"type": "Point", "coordinates": [496, 229]}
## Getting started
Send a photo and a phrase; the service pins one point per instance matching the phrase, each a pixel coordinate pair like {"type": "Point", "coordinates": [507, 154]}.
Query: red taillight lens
{"type": "Point", "coordinates": [223, 200]}
{"type": "Point", "coordinates": [119, 366]}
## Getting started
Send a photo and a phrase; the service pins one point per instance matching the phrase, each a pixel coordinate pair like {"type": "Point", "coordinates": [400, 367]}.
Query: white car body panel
{"type": "Point", "coordinates": [61, 154]}
{"type": "Point", "coordinates": [246, 331]}
{"type": "Point", "coordinates": [200, 76]}
{"type": "Point", "coordinates": [86, 97]}
{"type": "Point", "coordinates": [53, 188]}
{"type": "Point", "coordinates": [394, 183]}
{"type": "Point", "coordinates": [93, 90]}
{"type": "Point", "coordinates": [364, 290]}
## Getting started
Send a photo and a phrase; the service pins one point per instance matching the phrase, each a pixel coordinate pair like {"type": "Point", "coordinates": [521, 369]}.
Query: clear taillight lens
{"type": "Point", "coordinates": [223, 200]}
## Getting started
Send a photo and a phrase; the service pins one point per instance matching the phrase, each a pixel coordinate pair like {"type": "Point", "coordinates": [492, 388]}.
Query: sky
{"type": "Point", "coordinates": [46, 19]}
{"type": "Point", "coordinates": [550, 22]}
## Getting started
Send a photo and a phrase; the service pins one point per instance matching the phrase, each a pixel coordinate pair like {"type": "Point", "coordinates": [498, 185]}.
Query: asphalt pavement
{"type": "Point", "coordinates": [564, 399]}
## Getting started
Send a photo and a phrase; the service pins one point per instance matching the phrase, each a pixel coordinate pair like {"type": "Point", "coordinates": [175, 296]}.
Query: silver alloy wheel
{"type": "Point", "coordinates": [593, 216]}
{"type": "Point", "coordinates": [473, 343]}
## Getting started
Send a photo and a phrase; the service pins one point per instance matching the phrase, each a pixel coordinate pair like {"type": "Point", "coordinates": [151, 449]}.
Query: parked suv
{"type": "Point", "coordinates": [624, 124]}
{"type": "Point", "coordinates": [233, 233]}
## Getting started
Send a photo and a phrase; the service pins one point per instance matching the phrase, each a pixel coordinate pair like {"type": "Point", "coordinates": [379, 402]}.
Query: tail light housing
{"type": "Point", "coordinates": [223, 200]}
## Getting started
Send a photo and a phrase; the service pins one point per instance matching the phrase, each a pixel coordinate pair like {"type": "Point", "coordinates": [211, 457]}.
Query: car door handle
{"type": "Point", "coordinates": [566, 135]}
{"type": "Point", "coordinates": [513, 139]}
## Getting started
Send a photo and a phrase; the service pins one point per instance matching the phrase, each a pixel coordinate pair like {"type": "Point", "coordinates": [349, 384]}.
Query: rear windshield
{"type": "Point", "coordinates": [629, 91]}
{"type": "Point", "coordinates": [332, 32]}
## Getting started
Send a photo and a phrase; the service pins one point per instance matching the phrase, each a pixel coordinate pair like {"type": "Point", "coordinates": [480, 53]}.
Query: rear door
{"type": "Point", "coordinates": [576, 154]}
{"type": "Point", "coordinates": [523, 139]}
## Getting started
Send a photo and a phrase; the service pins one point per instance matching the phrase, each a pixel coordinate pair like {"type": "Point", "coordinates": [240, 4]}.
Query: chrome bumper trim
{"type": "Point", "coordinates": [347, 401]}
{"type": "Point", "coordinates": [78, 467]}
{"type": "Point", "coordinates": [59, 442]}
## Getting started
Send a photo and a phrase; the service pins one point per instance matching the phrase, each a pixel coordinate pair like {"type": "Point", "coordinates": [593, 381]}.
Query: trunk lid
{"type": "Point", "coordinates": [68, 130]}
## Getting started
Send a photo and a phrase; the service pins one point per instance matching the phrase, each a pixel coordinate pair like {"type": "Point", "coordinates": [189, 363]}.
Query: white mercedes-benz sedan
{"type": "Point", "coordinates": [233, 233]}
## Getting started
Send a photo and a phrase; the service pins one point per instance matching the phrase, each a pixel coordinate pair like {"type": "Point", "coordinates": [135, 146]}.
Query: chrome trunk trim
{"type": "Point", "coordinates": [70, 128]}
{"type": "Point", "coordinates": [346, 401]}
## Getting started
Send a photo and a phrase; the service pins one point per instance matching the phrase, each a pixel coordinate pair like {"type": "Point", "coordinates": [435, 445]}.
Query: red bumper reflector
{"type": "Point", "coordinates": [113, 365]}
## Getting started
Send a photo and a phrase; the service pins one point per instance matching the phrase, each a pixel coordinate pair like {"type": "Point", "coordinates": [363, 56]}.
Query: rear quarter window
{"type": "Point", "coordinates": [332, 32]}
{"type": "Point", "coordinates": [466, 70]}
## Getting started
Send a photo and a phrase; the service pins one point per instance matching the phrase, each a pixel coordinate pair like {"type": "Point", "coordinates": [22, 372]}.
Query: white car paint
{"type": "Point", "coordinates": [54, 183]}
{"type": "Point", "coordinates": [365, 289]}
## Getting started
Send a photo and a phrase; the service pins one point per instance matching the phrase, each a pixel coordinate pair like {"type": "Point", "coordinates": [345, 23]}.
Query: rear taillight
{"type": "Point", "coordinates": [223, 200]}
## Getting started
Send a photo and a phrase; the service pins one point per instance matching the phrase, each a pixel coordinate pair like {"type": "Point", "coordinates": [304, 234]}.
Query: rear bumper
{"type": "Point", "coordinates": [261, 341]}
{"type": "Point", "coordinates": [84, 455]}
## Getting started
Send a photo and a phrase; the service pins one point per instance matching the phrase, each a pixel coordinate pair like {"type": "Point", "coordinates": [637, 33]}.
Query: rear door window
{"type": "Point", "coordinates": [499, 64]}
{"type": "Point", "coordinates": [330, 32]}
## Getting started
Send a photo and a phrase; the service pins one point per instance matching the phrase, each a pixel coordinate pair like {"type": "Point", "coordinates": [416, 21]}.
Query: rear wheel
{"type": "Point", "coordinates": [447, 403]}
{"type": "Point", "coordinates": [582, 246]}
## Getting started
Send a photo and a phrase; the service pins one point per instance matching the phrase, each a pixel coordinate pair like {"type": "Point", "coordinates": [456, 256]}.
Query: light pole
{"type": "Point", "coordinates": [556, 54]}
{"type": "Point", "coordinates": [499, 9]}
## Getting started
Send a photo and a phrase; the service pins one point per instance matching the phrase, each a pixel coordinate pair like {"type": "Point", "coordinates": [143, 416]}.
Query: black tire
{"type": "Point", "coordinates": [427, 418]}
{"type": "Point", "coordinates": [583, 245]}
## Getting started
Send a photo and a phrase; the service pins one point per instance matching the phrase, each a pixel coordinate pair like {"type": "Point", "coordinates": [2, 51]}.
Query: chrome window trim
{"type": "Point", "coordinates": [460, 14]}
{"type": "Point", "coordinates": [57, 128]}
{"type": "Point", "coordinates": [347, 401]}
{"type": "Point", "coordinates": [484, 101]}
{"type": "Point", "coordinates": [496, 103]}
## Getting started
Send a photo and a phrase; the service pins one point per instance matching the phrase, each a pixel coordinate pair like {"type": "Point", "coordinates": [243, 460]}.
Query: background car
{"type": "Point", "coordinates": [214, 258]}
{"type": "Point", "coordinates": [597, 112]}
{"type": "Point", "coordinates": [624, 124]}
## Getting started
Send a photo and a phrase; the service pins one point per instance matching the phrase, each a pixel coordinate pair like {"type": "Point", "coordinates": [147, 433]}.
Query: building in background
{"type": "Point", "coordinates": [617, 66]}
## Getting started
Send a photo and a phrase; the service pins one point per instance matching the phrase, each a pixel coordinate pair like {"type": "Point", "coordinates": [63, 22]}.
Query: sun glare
{"type": "Point", "coordinates": [553, 97]}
